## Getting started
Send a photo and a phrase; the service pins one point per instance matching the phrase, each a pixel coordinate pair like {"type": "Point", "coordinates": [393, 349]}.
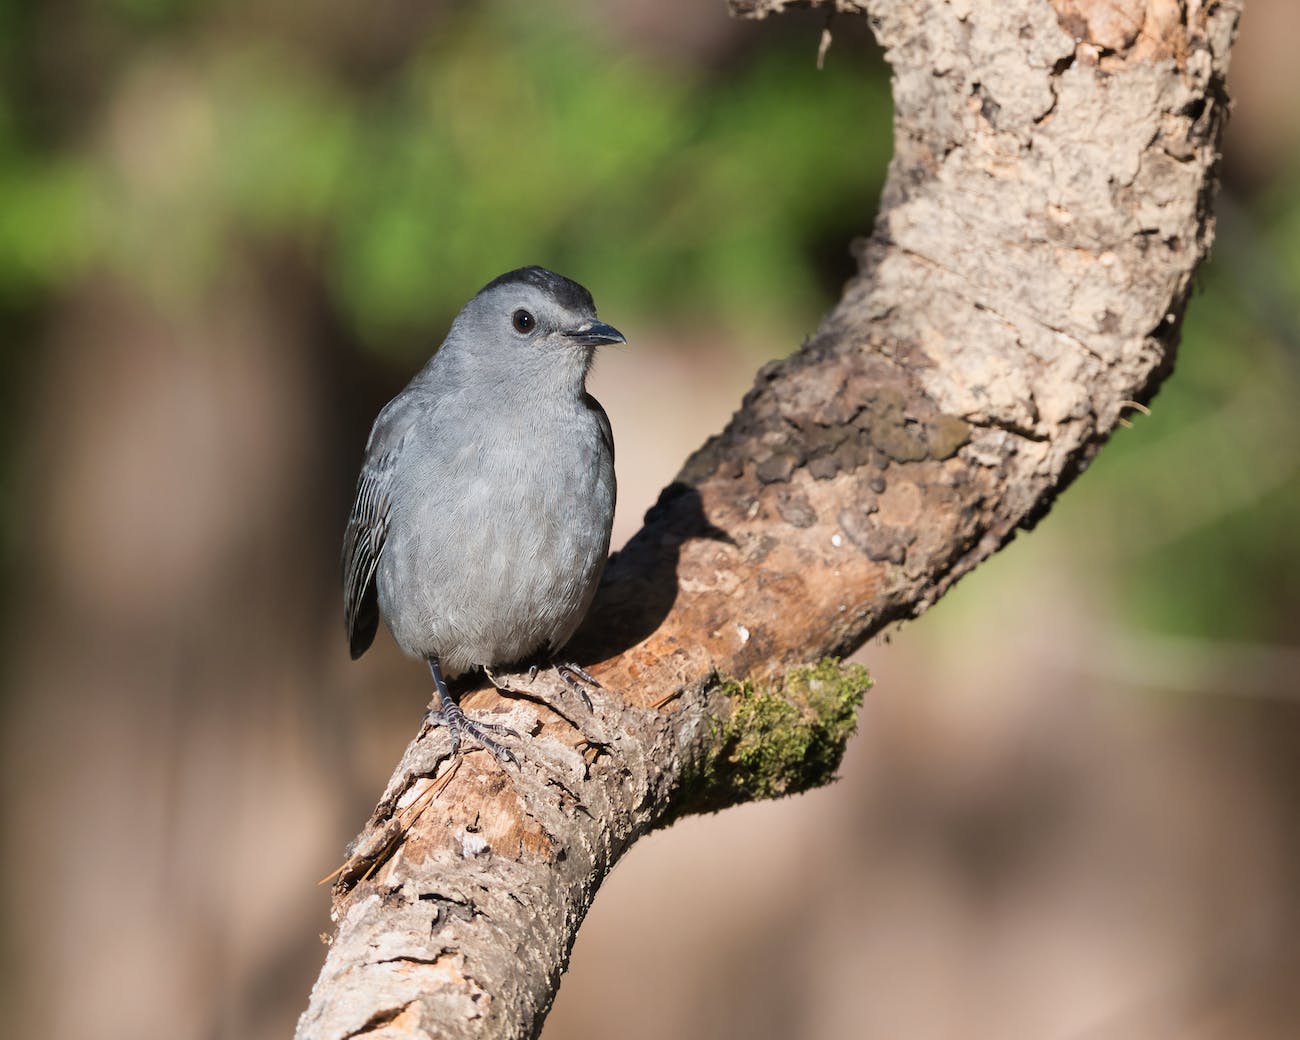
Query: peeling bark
{"type": "Point", "coordinates": [1046, 207]}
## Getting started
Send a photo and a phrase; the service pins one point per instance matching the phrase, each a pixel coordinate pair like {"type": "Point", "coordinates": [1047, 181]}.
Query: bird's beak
{"type": "Point", "coordinates": [595, 334]}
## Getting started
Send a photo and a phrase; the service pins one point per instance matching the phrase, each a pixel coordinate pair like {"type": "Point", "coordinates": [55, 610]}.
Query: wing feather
{"type": "Point", "coordinates": [367, 530]}
{"type": "Point", "coordinates": [606, 431]}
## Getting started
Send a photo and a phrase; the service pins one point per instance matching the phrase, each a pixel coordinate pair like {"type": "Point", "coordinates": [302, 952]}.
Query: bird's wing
{"type": "Point", "coordinates": [606, 431]}
{"type": "Point", "coordinates": [367, 530]}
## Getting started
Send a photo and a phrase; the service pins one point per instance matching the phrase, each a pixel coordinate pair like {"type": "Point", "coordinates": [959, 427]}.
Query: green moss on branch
{"type": "Point", "coordinates": [776, 740]}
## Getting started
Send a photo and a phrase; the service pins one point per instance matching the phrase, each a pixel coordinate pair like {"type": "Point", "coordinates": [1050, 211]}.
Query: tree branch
{"type": "Point", "coordinates": [1046, 207]}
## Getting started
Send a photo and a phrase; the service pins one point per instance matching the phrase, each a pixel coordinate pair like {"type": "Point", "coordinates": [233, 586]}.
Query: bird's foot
{"type": "Point", "coordinates": [574, 677]}
{"type": "Point", "coordinates": [459, 726]}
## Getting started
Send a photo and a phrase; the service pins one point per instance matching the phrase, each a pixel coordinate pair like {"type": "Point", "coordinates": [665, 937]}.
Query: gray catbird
{"type": "Point", "coordinates": [482, 517]}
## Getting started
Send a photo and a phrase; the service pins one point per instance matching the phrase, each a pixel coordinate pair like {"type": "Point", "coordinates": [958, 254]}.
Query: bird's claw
{"type": "Point", "coordinates": [573, 677]}
{"type": "Point", "coordinates": [461, 725]}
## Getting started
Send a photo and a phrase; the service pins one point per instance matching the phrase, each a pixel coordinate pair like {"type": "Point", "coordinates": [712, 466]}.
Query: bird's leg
{"type": "Point", "coordinates": [459, 724]}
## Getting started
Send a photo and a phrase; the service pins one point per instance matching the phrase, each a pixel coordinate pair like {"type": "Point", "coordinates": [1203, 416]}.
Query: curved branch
{"type": "Point", "coordinates": [1046, 207]}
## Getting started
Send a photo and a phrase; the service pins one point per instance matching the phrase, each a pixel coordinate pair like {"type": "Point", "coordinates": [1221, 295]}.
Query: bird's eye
{"type": "Point", "coordinates": [523, 321]}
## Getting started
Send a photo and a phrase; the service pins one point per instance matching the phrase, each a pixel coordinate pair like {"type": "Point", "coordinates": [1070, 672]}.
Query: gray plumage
{"type": "Point", "coordinates": [482, 516]}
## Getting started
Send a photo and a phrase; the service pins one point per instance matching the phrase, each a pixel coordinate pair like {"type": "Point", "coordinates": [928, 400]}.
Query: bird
{"type": "Point", "coordinates": [481, 522]}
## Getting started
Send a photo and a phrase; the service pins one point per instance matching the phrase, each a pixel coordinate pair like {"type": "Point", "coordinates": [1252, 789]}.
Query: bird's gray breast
{"type": "Point", "coordinates": [499, 534]}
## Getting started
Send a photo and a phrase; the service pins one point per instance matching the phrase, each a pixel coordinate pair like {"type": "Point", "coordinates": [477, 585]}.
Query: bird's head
{"type": "Point", "coordinates": [532, 327]}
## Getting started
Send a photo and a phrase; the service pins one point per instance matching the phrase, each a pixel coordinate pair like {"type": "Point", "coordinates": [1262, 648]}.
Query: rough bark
{"type": "Point", "coordinates": [1046, 207]}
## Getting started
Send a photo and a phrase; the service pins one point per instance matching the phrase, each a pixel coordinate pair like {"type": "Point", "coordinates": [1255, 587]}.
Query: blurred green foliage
{"type": "Point", "coordinates": [514, 135]}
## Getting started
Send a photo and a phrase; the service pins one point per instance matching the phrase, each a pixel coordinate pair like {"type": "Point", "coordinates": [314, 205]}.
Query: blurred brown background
{"type": "Point", "coordinates": [229, 231]}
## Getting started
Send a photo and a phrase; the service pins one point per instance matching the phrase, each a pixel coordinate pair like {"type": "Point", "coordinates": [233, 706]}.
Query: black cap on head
{"type": "Point", "coordinates": [565, 290]}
